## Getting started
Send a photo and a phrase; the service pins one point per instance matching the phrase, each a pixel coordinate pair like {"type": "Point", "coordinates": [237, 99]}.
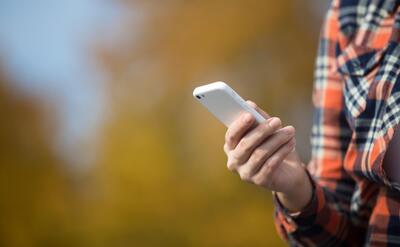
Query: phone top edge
{"type": "Point", "coordinates": [219, 85]}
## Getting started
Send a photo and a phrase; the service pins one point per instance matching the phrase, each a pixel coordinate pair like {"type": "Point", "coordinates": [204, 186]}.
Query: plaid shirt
{"type": "Point", "coordinates": [357, 107]}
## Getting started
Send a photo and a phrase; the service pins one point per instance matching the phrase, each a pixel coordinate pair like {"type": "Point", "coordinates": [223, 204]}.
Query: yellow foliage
{"type": "Point", "coordinates": [160, 177]}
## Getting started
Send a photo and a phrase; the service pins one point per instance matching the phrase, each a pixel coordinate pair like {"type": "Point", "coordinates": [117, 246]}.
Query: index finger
{"type": "Point", "coordinates": [237, 129]}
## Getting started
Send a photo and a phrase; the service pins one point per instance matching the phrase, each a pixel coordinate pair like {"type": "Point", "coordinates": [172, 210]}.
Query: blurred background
{"type": "Point", "coordinates": [101, 142]}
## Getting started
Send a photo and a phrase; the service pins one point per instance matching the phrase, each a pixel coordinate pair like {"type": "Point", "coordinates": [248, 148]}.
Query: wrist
{"type": "Point", "coordinates": [299, 196]}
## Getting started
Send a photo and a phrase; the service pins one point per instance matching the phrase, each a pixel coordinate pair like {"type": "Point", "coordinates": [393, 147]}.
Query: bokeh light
{"type": "Point", "coordinates": [101, 141]}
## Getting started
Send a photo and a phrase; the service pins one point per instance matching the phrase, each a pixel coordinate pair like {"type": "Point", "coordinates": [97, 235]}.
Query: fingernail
{"type": "Point", "coordinates": [274, 123]}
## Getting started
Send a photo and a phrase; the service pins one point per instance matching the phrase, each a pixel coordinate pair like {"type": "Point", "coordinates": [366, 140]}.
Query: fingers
{"type": "Point", "coordinates": [264, 151]}
{"type": "Point", "coordinates": [254, 138]}
{"type": "Point", "coordinates": [236, 130]}
{"type": "Point", "coordinates": [264, 177]}
{"type": "Point", "coordinates": [258, 109]}
{"type": "Point", "coordinates": [239, 127]}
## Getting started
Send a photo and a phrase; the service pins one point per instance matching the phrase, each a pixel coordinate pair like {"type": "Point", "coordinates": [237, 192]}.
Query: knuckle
{"type": "Point", "coordinates": [226, 148]}
{"type": "Point", "coordinates": [228, 137]}
{"type": "Point", "coordinates": [265, 126]}
{"type": "Point", "coordinates": [231, 164]}
{"type": "Point", "coordinates": [230, 168]}
{"type": "Point", "coordinates": [259, 155]}
{"type": "Point", "coordinates": [238, 156]}
{"type": "Point", "coordinates": [245, 176]}
{"type": "Point", "coordinates": [265, 180]}
{"type": "Point", "coordinates": [270, 163]}
{"type": "Point", "coordinates": [267, 129]}
{"type": "Point", "coordinates": [267, 163]}
{"type": "Point", "coordinates": [244, 145]}
{"type": "Point", "coordinates": [258, 180]}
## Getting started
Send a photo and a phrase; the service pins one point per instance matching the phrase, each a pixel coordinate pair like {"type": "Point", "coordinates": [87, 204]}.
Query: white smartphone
{"type": "Point", "coordinates": [224, 103]}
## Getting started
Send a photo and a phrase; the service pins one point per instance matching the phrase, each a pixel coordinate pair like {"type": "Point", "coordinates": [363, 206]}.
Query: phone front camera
{"type": "Point", "coordinates": [197, 96]}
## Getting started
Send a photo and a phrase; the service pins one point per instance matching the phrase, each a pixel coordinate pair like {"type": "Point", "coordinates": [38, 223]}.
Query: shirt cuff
{"type": "Point", "coordinates": [307, 216]}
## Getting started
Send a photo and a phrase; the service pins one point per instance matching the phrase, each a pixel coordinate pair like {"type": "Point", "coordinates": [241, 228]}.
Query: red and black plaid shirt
{"type": "Point", "coordinates": [357, 107]}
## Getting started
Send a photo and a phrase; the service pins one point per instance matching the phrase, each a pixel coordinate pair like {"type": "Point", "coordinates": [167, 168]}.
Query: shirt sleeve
{"type": "Point", "coordinates": [326, 220]}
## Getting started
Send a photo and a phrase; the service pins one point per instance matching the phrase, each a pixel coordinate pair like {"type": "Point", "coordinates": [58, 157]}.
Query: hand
{"type": "Point", "coordinates": [265, 156]}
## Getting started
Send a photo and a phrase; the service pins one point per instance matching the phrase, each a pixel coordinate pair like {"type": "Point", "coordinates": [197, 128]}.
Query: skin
{"type": "Point", "coordinates": [265, 156]}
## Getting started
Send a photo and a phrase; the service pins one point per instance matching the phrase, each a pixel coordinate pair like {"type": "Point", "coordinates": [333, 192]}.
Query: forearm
{"type": "Point", "coordinates": [298, 198]}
